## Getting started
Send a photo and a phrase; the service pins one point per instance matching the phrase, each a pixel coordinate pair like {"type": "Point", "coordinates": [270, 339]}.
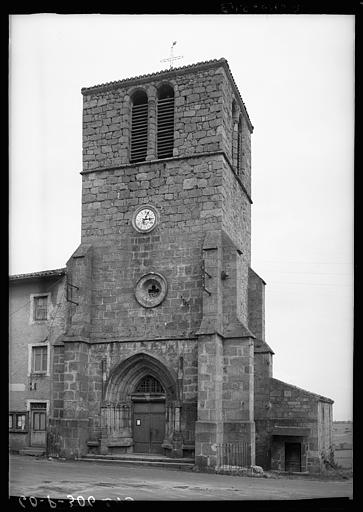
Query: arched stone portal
{"type": "Point", "coordinates": [138, 418]}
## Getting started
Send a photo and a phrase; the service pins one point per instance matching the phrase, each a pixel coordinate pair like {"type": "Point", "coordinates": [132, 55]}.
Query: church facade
{"type": "Point", "coordinates": [162, 347]}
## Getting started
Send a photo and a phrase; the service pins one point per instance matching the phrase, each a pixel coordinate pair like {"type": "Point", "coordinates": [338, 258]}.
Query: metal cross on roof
{"type": "Point", "coordinates": [171, 59]}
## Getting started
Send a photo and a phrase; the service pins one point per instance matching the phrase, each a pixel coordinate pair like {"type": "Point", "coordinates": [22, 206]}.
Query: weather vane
{"type": "Point", "coordinates": [172, 58]}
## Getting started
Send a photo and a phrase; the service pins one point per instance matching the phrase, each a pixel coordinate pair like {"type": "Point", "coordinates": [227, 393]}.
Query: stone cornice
{"type": "Point", "coordinates": [122, 339]}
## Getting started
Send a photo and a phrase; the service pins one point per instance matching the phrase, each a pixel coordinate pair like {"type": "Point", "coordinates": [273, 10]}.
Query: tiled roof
{"type": "Point", "coordinates": [182, 69]}
{"type": "Point", "coordinates": [151, 75]}
{"type": "Point", "coordinates": [38, 275]}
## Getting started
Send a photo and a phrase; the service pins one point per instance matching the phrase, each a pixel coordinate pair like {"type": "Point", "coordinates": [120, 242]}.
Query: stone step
{"type": "Point", "coordinates": [185, 464]}
{"type": "Point", "coordinates": [33, 451]}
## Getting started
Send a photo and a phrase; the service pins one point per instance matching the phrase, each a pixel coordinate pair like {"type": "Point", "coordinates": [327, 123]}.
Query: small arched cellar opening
{"type": "Point", "coordinates": [139, 414]}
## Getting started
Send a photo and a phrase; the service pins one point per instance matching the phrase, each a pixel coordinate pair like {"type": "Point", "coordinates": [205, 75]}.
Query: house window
{"type": "Point", "coordinates": [39, 359]}
{"type": "Point", "coordinates": [139, 127]}
{"type": "Point", "coordinates": [40, 308]}
{"type": "Point", "coordinates": [17, 421]}
{"type": "Point", "coordinates": [165, 121]}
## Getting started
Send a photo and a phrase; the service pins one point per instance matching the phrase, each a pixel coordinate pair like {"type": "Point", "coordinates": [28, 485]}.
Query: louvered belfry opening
{"type": "Point", "coordinates": [139, 125]}
{"type": "Point", "coordinates": [165, 120]}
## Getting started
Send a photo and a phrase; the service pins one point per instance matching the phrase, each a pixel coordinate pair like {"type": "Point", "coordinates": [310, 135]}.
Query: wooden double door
{"type": "Point", "coordinates": [148, 426]}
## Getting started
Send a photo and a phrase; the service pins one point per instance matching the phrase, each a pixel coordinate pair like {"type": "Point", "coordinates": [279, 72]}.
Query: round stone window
{"type": "Point", "coordinates": [151, 290]}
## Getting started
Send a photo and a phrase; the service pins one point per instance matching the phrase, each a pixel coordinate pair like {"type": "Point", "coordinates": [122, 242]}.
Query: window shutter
{"type": "Point", "coordinates": [139, 132]}
{"type": "Point", "coordinates": [40, 308]}
{"type": "Point", "coordinates": [165, 120]}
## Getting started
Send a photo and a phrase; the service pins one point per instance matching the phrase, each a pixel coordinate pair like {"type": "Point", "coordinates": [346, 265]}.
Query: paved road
{"type": "Point", "coordinates": [40, 478]}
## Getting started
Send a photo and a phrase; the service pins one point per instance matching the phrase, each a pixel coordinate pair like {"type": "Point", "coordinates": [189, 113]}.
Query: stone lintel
{"type": "Point", "coordinates": [290, 431]}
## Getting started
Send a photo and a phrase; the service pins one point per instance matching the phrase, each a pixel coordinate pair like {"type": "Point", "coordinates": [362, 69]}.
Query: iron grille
{"type": "Point", "coordinates": [149, 385]}
{"type": "Point", "coordinates": [165, 136]}
{"type": "Point", "coordinates": [39, 405]}
{"type": "Point", "coordinates": [232, 455]}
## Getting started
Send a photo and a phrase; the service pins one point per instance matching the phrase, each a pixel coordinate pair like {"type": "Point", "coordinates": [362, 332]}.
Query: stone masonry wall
{"type": "Point", "coordinates": [187, 196]}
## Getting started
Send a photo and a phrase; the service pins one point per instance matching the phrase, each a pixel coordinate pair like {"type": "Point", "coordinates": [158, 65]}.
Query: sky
{"type": "Point", "coordinates": [295, 74]}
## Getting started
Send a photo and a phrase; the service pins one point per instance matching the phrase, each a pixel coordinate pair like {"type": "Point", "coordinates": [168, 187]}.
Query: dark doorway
{"type": "Point", "coordinates": [149, 426]}
{"type": "Point", "coordinates": [293, 457]}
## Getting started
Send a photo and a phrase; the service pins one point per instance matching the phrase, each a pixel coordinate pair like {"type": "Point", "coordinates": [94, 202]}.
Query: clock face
{"type": "Point", "coordinates": [145, 219]}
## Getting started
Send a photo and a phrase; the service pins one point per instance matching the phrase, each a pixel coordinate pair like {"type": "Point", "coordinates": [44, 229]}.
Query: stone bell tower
{"type": "Point", "coordinates": [160, 279]}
